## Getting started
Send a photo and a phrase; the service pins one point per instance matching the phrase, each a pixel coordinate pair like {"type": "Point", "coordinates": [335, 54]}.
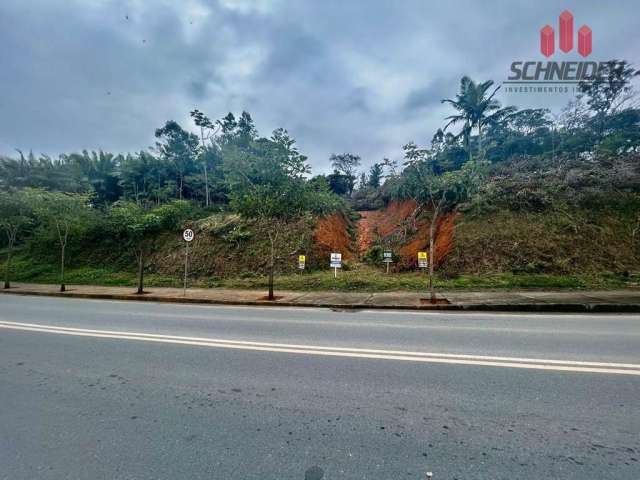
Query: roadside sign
{"type": "Point", "coordinates": [423, 261]}
{"type": "Point", "coordinates": [301, 261]}
{"type": "Point", "coordinates": [188, 235]}
{"type": "Point", "coordinates": [336, 263]}
{"type": "Point", "coordinates": [387, 257]}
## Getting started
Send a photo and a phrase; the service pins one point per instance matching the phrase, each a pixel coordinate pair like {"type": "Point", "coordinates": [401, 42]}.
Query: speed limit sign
{"type": "Point", "coordinates": [188, 235]}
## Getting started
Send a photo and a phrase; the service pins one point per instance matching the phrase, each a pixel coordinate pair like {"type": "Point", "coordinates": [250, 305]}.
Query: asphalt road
{"type": "Point", "coordinates": [115, 390]}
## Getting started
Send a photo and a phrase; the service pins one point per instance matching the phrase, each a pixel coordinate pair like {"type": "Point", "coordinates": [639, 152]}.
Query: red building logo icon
{"type": "Point", "coordinates": [565, 25]}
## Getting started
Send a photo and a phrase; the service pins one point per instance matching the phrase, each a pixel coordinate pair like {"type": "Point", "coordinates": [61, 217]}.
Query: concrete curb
{"type": "Point", "coordinates": [208, 301]}
{"type": "Point", "coordinates": [481, 307]}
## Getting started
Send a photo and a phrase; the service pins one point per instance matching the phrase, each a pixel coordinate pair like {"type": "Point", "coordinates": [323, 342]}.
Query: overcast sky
{"type": "Point", "coordinates": [341, 76]}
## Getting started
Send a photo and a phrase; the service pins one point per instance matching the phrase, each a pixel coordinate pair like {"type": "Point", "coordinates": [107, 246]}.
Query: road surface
{"type": "Point", "coordinates": [124, 390]}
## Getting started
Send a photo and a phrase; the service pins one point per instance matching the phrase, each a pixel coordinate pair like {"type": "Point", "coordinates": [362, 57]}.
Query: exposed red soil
{"type": "Point", "coordinates": [399, 219]}
{"type": "Point", "coordinates": [331, 235]}
{"type": "Point", "coordinates": [366, 229]}
{"type": "Point", "coordinates": [420, 242]}
{"type": "Point", "coordinates": [381, 223]}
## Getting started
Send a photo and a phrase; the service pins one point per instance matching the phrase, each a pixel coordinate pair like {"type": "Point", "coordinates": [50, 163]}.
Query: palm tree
{"type": "Point", "coordinates": [476, 108]}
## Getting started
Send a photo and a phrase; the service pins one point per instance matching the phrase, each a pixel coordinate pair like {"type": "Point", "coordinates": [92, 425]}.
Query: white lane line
{"type": "Point", "coordinates": [35, 326]}
{"type": "Point", "coordinates": [510, 362]}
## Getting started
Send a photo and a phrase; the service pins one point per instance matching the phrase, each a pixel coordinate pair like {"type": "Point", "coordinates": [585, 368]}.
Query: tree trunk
{"type": "Point", "coordinates": [204, 165]}
{"type": "Point", "coordinates": [206, 185]}
{"type": "Point", "coordinates": [271, 296]}
{"type": "Point", "coordinates": [62, 285]}
{"type": "Point", "coordinates": [158, 191]}
{"type": "Point", "coordinates": [432, 231]}
{"type": "Point", "coordinates": [140, 272]}
{"type": "Point", "coordinates": [181, 184]}
{"type": "Point", "coordinates": [136, 193]}
{"type": "Point", "coordinates": [272, 240]}
{"type": "Point", "coordinates": [7, 283]}
{"type": "Point", "coordinates": [480, 154]}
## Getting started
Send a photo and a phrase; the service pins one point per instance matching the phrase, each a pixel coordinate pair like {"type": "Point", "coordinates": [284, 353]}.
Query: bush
{"type": "Point", "coordinates": [374, 255]}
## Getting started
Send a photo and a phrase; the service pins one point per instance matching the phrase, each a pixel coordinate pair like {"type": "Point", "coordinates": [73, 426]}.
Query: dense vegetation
{"type": "Point", "coordinates": [517, 177]}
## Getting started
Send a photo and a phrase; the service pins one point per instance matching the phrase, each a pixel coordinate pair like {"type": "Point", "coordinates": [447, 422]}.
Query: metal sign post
{"type": "Point", "coordinates": [336, 263]}
{"type": "Point", "coordinates": [188, 237]}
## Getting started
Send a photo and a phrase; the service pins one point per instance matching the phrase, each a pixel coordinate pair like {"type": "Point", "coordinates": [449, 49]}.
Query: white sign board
{"type": "Point", "coordinates": [188, 235]}
{"type": "Point", "coordinates": [388, 257]}
{"type": "Point", "coordinates": [336, 260]}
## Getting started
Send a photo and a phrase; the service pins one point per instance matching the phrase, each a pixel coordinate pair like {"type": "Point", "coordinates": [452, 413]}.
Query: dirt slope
{"type": "Point", "coordinates": [331, 234]}
{"type": "Point", "coordinates": [400, 228]}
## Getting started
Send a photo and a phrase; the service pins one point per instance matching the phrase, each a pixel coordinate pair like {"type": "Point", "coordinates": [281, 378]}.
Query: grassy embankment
{"type": "Point", "coordinates": [357, 278]}
{"type": "Point", "coordinates": [499, 250]}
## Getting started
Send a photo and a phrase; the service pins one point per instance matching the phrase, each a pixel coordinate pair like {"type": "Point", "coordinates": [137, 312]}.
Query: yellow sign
{"type": "Point", "coordinates": [422, 260]}
{"type": "Point", "coordinates": [301, 258]}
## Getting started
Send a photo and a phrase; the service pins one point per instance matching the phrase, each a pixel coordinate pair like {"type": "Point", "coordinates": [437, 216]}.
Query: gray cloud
{"type": "Point", "coordinates": [341, 76]}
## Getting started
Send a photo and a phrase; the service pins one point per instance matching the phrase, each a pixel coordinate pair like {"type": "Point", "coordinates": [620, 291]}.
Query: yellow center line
{"type": "Point", "coordinates": [427, 357]}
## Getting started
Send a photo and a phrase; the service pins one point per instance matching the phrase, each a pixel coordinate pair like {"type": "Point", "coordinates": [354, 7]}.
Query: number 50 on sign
{"type": "Point", "coordinates": [188, 235]}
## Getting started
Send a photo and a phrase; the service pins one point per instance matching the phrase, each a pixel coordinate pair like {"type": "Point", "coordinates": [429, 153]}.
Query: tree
{"type": "Point", "coordinates": [439, 193]}
{"type": "Point", "coordinates": [246, 128]}
{"type": "Point", "coordinates": [144, 178]}
{"type": "Point", "coordinates": [524, 132]}
{"type": "Point", "coordinates": [339, 183]}
{"type": "Point", "coordinates": [362, 181]}
{"type": "Point", "coordinates": [575, 114]}
{"type": "Point", "coordinates": [611, 87]}
{"type": "Point", "coordinates": [43, 172]}
{"type": "Point", "coordinates": [180, 148]}
{"type": "Point", "coordinates": [69, 215]}
{"type": "Point", "coordinates": [476, 107]}
{"type": "Point", "coordinates": [294, 162]}
{"type": "Point", "coordinates": [99, 169]}
{"type": "Point", "coordinates": [16, 212]}
{"type": "Point", "coordinates": [391, 166]}
{"type": "Point", "coordinates": [266, 181]}
{"type": "Point", "coordinates": [623, 133]}
{"type": "Point", "coordinates": [346, 164]}
{"type": "Point", "coordinates": [375, 175]}
{"type": "Point", "coordinates": [207, 132]}
{"type": "Point", "coordinates": [529, 121]}
{"type": "Point", "coordinates": [609, 91]}
{"type": "Point", "coordinates": [134, 225]}
{"type": "Point", "coordinates": [228, 125]}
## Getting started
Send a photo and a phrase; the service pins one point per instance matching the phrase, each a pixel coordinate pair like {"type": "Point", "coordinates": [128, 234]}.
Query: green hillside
{"type": "Point", "coordinates": [538, 201]}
